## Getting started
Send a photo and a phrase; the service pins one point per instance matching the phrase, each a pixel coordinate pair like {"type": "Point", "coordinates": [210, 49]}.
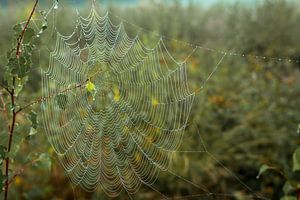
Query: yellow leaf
{"type": "Point", "coordinates": [126, 130]}
{"type": "Point", "coordinates": [90, 87]}
{"type": "Point", "coordinates": [83, 113]}
{"type": "Point", "coordinates": [116, 93]}
{"type": "Point", "coordinates": [18, 181]}
{"type": "Point", "coordinates": [154, 102]}
{"type": "Point", "coordinates": [217, 99]}
{"type": "Point", "coordinates": [50, 150]}
{"type": "Point", "coordinates": [137, 157]}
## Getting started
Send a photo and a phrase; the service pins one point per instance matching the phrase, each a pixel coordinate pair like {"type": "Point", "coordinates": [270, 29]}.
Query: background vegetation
{"type": "Point", "coordinates": [247, 115]}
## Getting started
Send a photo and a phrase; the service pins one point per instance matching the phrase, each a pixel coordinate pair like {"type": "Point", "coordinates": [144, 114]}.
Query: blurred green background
{"type": "Point", "coordinates": [247, 114]}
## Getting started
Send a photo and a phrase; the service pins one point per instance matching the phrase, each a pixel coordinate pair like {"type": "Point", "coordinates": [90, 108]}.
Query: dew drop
{"type": "Point", "coordinates": [55, 5]}
{"type": "Point", "coordinates": [257, 177]}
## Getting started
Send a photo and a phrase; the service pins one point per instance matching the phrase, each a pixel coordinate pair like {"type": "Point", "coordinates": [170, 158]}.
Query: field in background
{"type": "Point", "coordinates": [247, 114]}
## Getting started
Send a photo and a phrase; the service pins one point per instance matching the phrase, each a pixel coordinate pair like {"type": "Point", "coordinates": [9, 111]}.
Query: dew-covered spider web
{"type": "Point", "coordinates": [124, 110]}
{"type": "Point", "coordinates": [115, 110]}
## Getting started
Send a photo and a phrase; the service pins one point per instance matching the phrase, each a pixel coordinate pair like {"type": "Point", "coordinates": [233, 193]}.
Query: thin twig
{"type": "Point", "coordinates": [11, 132]}
{"type": "Point", "coordinates": [4, 87]}
{"type": "Point", "coordinates": [21, 170]}
{"type": "Point", "coordinates": [20, 39]}
{"type": "Point", "coordinates": [12, 96]}
{"type": "Point", "coordinates": [42, 99]}
{"type": "Point", "coordinates": [18, 173]}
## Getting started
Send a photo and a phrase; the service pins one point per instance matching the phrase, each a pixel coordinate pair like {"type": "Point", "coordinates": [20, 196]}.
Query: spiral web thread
{"type": "Point", "coordinates": [124, 110]}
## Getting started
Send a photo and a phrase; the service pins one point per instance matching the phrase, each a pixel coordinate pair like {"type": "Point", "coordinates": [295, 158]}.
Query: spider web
{"type": "Point", "coordinates": [120, 133]}
{"type": "Point", "coordinates": [115, 110]}
{"type": "Point", "coordinates": [65, 86]}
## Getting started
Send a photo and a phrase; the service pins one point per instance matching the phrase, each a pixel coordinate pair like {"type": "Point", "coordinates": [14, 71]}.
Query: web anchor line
{"type": "Point", "coordinates": [229, 53]}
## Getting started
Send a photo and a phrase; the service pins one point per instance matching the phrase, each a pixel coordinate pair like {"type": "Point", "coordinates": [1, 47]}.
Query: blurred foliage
{"type": "Point", "coordinates": [247, 114]}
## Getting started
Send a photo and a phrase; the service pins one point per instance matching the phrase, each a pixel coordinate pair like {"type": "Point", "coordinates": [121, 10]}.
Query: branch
{"type": "Point", "coordinates": [24, 30]}
{"type": "Point", "coordinates": [42, 99]}
{"type": "Point", "coordinates": [4, 87]}
{"type": "Point", "coordinates": [12, 95]}
{"type": "Point", "coordinates": [18, 173]}
{"type": "Point", "coordinates": [21, 170]}
{"type": "Point", "coordinates": [11, 132]}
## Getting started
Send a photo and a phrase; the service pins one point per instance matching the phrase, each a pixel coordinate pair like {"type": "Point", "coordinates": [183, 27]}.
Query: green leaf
{"type": "Point", "coordinates": [32, 116]}
{"type": "Point", "coordinates": [296, 160]}
{"type": "Point", "coordinates": [62, 101]}
{"type": "Point", "coordinates": [15, 146]}
{"type": "Point", "coordinates": [288, 198]}
{"type": "Point", "coordinates": [31, 157]}
{"type": "Point", "coordinates": [18, 29]}
{"type": "Point", "coordinates": [3, 135]}
{"type": "Point", "coordinates": [12, 65]}
{"type": "Point", "coordinates": [28, 35]}
{"type": "Point", "coordinates": [19, 67]}
{"type": "Point", "coordinates": [8, 78]}
{"type": "Point", "coordinates": [19, 84]}
{"type": "Point", "coordinates": [2, 181]}
{"type": "Point", "coordinates": [10, 108]}
{"type": "Point", "coordinates": [288, 188]}
{"type": "Point", "coordinates": [24, 65]}
{"type": "Point", "coordinates": [2, 154]}
{"type": "Point", "coordinates": [262, 170]}
{"type": "Point", "coordinates": [43, 162]}
{"type": "Point", "coordinates": [32, 132]}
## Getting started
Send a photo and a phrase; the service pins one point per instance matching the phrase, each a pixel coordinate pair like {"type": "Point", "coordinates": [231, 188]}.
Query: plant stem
{"type": "Point", "coordinates": [42, 99]}
{"type": "Point", "coordinates": [4, 87]}
{"type": "Point", "coordinates": [12, 96]}
{"type": "Point", "coordinates": [11, 132]}
{"type": "Point", "coordinates": [24, 29]}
